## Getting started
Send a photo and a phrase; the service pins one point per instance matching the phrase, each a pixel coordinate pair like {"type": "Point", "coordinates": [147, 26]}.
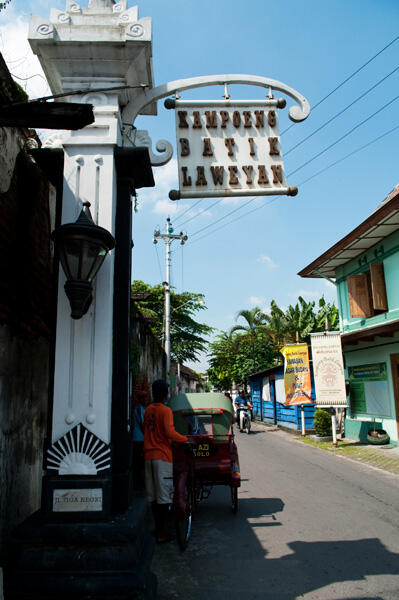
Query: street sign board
{"type": "Point", "coordinates": [229, 149]}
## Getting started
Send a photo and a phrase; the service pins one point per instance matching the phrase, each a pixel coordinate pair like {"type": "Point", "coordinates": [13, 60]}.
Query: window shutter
{"type": "Point", "coordinates": [359, 296]}
{"type": "Point", "coordinates": [378, 286]}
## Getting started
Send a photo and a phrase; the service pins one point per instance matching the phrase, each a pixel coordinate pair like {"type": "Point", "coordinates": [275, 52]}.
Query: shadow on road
{"type": "Point", "coordinates": [228, 557]}
{"type": "Point", "coordinates": [239, 433]}
{"type": "Point", "coordinates": [257, 508]}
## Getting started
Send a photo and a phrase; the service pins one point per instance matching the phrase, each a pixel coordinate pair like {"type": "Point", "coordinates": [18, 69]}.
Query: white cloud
{"type": "Point", "coordinates": [267, 261]}
{"type": "Point", "coordinates": [231, 201]}
{"type": "Point", "coordinates": [257, 300]}
{"type": "Point", "coordinates": [165, 176]}
{"type": "Point", "coordinates": [307, 294]}
{"type": "Point", "coordinates": [22, 63]}
{"type": "Point", "coordinates": [202, 212]}
{"type": "Point", "coordinates": [329, 284]}
{"type": "Point", "coordinates": [234, 200]}
{"type": "Point", "coordinates": [165, 207]}
{"type": "Point", "coordinates": [158, 197]}
{"type": "Point", "coordinates": [166, 179]}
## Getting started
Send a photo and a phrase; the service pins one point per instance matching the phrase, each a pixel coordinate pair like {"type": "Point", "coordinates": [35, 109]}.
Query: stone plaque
{"type": "Point", "coordinates": [79, 500]}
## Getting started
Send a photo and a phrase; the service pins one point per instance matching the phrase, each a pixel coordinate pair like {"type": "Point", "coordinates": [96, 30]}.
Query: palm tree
{"type": "Point", "coordinates": [277, 325]}
{"type": "Point", "coordinates": [255, 320]}
{"type": "Point", "coordinates": [300, 319]}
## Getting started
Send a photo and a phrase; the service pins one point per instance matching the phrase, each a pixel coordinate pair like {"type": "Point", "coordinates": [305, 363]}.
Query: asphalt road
{"type": "Point", "coordinates": [310, 525]}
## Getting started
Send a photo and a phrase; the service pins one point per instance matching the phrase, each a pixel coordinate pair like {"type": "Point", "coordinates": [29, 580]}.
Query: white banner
{"type": "Point", "coordinates": [266, 390]}
{"type": "Point", "coordinates": [328, 369]}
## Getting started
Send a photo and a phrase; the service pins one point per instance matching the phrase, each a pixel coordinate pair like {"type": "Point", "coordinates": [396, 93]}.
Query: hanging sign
{"type": "Point", "coordinates": [328, 369]}
{"type": "Point", "coordinates": [296, 374]}
{"type": "Point", "coordinates": [229, 149]}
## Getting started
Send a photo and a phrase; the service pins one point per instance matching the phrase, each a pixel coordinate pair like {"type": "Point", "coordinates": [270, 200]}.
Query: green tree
{"type": "Point", "coordinates": [302, 319]}
{"type": "Point", "coordinates": [327, 311]}
{"type": "Point", "coordinates": [253, 327]}
{"type": "Point", "coordinates": [222, 356]}
{"type": "Point", "coordinates": [246, 348]}
{"type": "Point", "coordinates": [277, 326]}
{"type": "Point", "coordinates": [4, 4]}
{"type": "Point", "coordinates": [187, 336]}
{"type": "Point", "coordinates": [255, 344]}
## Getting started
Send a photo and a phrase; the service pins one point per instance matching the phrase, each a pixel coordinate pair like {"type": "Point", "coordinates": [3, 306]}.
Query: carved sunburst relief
{"type": "Point", "coordinates": [79, 452]}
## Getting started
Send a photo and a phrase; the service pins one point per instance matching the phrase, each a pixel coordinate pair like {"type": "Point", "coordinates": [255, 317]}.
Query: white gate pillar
{"type": "Point", "coordinates": [87, 51]}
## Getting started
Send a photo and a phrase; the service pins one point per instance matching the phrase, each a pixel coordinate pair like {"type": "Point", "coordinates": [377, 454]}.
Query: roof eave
{"type": "Point", "coordinates": [373, 219]}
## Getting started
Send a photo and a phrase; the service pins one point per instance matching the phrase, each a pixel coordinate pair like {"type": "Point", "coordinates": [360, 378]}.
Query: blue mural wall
{"type": "Point", "coordinates": [268, 397]}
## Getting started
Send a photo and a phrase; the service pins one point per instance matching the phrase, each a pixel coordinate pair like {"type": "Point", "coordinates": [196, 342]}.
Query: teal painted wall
{"type": "Point", "coordinates": [386, 252]}
{"type": "Point", "coordinates": [380, 349]}
{"type": "Point", "coordinates": [366, 353]}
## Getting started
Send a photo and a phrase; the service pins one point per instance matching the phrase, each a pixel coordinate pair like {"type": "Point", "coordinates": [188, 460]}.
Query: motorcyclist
{"type": "Point", "coordinates": [242, 404]}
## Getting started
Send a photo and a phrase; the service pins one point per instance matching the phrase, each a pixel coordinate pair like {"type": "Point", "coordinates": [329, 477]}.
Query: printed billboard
{"type": "Point", "coordinates": [297, 382]}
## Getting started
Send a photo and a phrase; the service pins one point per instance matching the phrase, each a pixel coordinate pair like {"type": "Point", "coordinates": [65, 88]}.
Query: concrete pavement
{"type": "Point", "coordinates": [385, 457]}
{"type": "Point", "coordinates": [311, 525]}
{"type": "Point", "coordinates": [379, 457]}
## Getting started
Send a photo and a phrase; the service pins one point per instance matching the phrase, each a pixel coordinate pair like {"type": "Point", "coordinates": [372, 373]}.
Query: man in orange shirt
{"type": "Point", "coordinates": [159, 433]}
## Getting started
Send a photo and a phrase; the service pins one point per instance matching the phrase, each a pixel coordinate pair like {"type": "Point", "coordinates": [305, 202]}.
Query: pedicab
{"type": "Point", "coordinates": [212, 458]}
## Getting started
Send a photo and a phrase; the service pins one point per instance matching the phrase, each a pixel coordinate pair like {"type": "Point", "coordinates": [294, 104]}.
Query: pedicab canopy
{"type": "Point", "coordinates": [202, 414]}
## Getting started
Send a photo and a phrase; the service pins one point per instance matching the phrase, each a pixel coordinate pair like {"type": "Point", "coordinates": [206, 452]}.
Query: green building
{"type": "Point", "coordinates": [364, 265]}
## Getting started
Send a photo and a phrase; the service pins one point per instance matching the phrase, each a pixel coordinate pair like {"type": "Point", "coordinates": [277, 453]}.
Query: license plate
{"type": "Point", "coordinates": [204, 450]}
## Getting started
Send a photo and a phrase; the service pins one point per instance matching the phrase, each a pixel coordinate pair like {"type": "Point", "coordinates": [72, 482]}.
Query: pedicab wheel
{"type": "Point", "coordinates": [183, 526]}
{"type": "Point", "coordinates": [234, 500]}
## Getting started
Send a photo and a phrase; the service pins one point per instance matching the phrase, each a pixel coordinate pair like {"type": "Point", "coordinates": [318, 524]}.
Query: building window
{"type": "Point", "coordinates": [367, 292]}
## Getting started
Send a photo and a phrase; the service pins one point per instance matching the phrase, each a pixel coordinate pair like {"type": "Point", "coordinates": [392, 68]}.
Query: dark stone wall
{"type": "Point", "coordinates": [147, 357]}
{"type": "Point", "coordinates": [23, 414]}
{"type": "Point", "coordinates": [26, 325]}
{"type": "Point", "coordinates": [26, 283]}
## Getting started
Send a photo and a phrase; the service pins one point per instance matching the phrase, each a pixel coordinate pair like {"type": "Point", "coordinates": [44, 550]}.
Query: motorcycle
{"type": "Point", "coordinates": [244, 419]}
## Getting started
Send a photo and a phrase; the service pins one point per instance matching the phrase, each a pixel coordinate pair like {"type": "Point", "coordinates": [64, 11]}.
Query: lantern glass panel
{"type": "Point", "coordinates": [71, 253]}
{"type": "Point", "coordinates": [95, 255]}
{"type": "Point", "coordinates": [81, 258]}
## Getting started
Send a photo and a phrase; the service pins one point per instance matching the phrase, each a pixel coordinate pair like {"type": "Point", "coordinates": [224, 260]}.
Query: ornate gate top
{"type": "Point", "coordinates": [147, 96]}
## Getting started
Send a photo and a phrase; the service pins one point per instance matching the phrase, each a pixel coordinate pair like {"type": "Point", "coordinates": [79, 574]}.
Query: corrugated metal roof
{"type": "Point", "coordinates": [380, 224]}
{"type": "Point", "coordinates": [267, 371]}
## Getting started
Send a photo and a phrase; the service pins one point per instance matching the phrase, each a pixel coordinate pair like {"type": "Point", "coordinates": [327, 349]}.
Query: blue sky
{"type": "Point", "coordinates": [312, 47]}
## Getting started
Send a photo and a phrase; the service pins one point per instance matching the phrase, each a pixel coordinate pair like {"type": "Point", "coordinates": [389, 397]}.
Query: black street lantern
{"type": "Point", "coordinates": [82, 246]}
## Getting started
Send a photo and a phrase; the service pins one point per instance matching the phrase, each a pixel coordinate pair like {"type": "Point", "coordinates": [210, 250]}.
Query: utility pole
{"type": "Point", "coordinates": [168, 238]}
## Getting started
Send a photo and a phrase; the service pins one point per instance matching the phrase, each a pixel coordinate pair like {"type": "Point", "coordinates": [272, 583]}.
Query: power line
{"type": "Point", "coordinates": [188, 209]}
{"type": "Point", "coordinates": [343, 136]}
{"type": "Point", "coordinates": [302, 183]}
{"type": "Point", "coordinates": [316, 155]}
{"type": "Point", "coordinates": [225, 216]}
{"type": "Point", "coordinates": [341, 112]}
{"type": "Point", "coordinates": [30, 77]}
{"type": "Point", "coordinates": [350, 154]}
{"type": "Point", "coordinates": [199, 214]}
{"type": "Point", "coordinates": [298, 168]}
{"type": "Point", "coordinates": [321, 152]}
{"type": "Point", "coordinates": [236, 219]}
{"type": "Point", "coordinates": [348, 78]}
